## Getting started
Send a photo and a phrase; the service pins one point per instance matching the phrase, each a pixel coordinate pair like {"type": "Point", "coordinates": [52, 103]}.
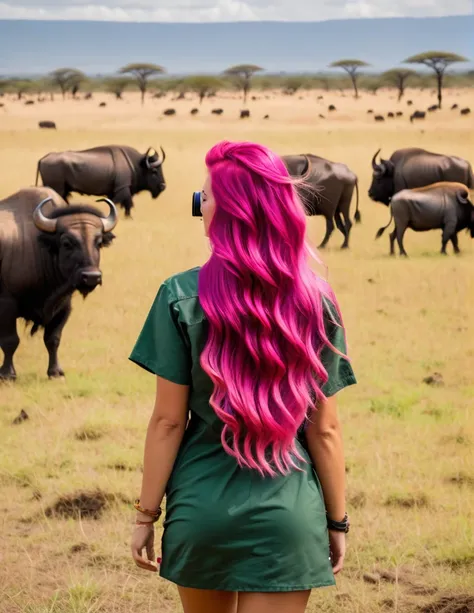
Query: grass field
{"type": "Point", "coordinates": [409, 446]}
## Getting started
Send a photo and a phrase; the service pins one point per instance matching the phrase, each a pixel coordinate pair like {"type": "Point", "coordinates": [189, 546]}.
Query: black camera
{"type": "Point", "coordinates": [197, 199]}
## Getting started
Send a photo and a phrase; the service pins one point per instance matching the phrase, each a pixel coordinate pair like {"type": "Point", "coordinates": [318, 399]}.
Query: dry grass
{"type": "Point", "coordinates": [409, 446]}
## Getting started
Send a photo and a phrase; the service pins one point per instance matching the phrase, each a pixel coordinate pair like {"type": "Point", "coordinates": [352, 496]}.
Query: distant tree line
{"type": "Point", "coordinates": [152, 79]}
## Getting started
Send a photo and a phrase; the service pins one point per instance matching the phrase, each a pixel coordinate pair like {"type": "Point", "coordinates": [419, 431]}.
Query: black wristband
{"type": "Point", "coordinates": [339, 526]}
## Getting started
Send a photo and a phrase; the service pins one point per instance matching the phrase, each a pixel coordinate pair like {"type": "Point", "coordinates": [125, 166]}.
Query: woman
{"type": "Point", "coordinates": [251, 347]}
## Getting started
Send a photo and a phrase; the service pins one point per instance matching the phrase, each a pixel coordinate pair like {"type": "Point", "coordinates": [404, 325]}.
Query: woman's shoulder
{"type": "Point", "coordinates": [183, 285]}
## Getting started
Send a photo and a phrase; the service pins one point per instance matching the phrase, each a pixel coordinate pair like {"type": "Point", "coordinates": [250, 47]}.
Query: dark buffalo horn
{"type": "Point", "coordinates": [375, 166]}
{"type": "Point", "coordinates": [41, 221]}
{"type": "Point", "coordinates": [158, 162]}
{"type": "Point", "coordinates": [109, 222]}
{"type": "Point", "coordinates": [147, 157]}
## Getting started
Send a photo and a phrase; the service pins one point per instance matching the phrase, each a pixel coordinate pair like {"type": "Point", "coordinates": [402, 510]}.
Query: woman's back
{"type": "Point", "coordinates": [228, 527]}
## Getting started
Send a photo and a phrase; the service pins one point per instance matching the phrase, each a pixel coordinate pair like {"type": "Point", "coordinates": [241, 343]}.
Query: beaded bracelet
{"type": "Point", "coordinates": [155, 515]}
{"type": "Point", "coordinates": [339, 526]}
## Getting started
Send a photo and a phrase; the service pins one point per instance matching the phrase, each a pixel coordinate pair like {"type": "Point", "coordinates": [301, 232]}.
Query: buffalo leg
{"type": "Point", "coordinates": [393, 236]}
{"type": "Point", "coordinates": [344, 227]}
{"type": "Point", "coordinates": [128, 206]}
{"type": "Point", "coordinates": [343, 210]}
{"type": "Point", "coordinates": [400, 230]}
{"type": "Point", "coordinates": [124, 198]}
{"type": "Point", "coordinates": [454, 240]}
{"type": "Point", "coordinates": [9, 339]}
{"type": "Point", "coordinates": [329, 231]}
{"type": "Point", "coordinates": [52, 339]}
{"type": "Point", "coordinates": [64, 192]}
{"type": "Point", "coordinates": [449, 231]}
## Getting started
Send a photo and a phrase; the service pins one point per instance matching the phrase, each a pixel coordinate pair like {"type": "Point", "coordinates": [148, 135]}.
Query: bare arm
{"type": "Point", "coordinates": [164, 435]}
{"type": "Point", "coordinates": [324, 438]}
{"type": "Point", "coordinates": [163, 439]}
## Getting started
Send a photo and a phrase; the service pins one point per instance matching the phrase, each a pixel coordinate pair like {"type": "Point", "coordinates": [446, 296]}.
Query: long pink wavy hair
{"type": "Point", "coordinates": [264, 306]}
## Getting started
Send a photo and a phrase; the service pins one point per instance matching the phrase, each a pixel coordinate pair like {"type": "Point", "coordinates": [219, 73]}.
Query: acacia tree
{"type": "Point", "coordinates": [372, 85]}
{"type": "Point", "coordinates": [142, 74]}
{"type": "Point", "coordinates": [21, 87]}
{"type": "Point", "coordinates": [438, 61]}
{"type": "Point", "coordinates": [351, 67]}
{"type": "Point", "coordinates": [294, 83]}
{"type": "Point", "coordinates": [243, 73]}
{"type": "Point", "coordinates": [67, 79]}
{"type": "Point", "coordinates": [117, 85]}
{"type": "Point", "coordinates": [399, 77]}
{"type": "Point", "coordinates": [203, 85]}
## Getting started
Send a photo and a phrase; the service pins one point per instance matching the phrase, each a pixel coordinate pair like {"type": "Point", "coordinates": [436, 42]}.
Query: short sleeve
{"type": "Point", "coordinates": [339, 369]}
{"type": "Point", "coordinates": [162, 347]}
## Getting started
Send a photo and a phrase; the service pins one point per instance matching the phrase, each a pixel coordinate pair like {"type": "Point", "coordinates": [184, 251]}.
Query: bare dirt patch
{"type": "Point", "coordinates": [81, 504]}
{"type": "Point", "coordinates": [463, 603]}
{"type": "Point", "coordinates": [407, 501]}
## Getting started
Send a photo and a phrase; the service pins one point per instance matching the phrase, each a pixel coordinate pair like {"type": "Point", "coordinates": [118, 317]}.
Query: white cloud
{"type": "Point", "coordinates": [228, 10]}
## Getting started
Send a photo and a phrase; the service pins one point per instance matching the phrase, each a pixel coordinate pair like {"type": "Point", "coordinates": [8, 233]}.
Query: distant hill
{"type": "Point", "coordinates": [102, 47]}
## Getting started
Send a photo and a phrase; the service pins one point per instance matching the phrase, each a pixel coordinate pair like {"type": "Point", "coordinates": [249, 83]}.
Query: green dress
{"type": "Point", "coordinates": [228, 528]}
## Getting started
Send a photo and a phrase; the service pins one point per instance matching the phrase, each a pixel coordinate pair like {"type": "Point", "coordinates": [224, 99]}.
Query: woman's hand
{"type": "Point", "coordinates": [337, 547]}
{"type": "Point", "coordinates": [144, 538]}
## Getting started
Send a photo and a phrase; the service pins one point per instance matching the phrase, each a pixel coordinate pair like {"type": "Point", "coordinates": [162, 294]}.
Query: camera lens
{"type": "Point", "coordinates": [197, 204]}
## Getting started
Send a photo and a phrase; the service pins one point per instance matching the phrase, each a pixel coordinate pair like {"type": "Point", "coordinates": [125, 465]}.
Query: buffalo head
{"type": "Point", "coordinates": [383, 187]}
{"type": "Point", "coordinates": [75, 235]}
{"type": "Point", "coordinates": [152, 178]}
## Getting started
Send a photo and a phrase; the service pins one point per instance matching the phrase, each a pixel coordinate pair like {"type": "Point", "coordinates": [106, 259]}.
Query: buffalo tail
{"type": "Point", "coordinates": [382, 230]}
{"type": "Point", "coordinates": [357, 216]}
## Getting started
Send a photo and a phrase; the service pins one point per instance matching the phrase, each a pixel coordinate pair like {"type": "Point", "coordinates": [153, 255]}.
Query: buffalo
{"type": "Point", "coordinates": [399, 113]}
{"type": "Point", "coordinates": [433, 107]}
{"type": "Point", "coordinates": [379, 118]}
{"type": "Point", "coordinates": [266, 116]}
{"type": "Point", "coordinates": [331, 107]}
{"type": "Point", "coordinates": [47, 125]}
{"type": "Point", "coordinates": [169, 112]}
{"type": "Point", "coordinates": [45, 258]}
{"type": "Point", "coordinates": [217, 111]}
{"type": "Point", "coordinates": [391, 115]}
{"type": "Point", "coordinates": [417, 115]}
{"type": "Point", "coordinates": [103, 105]}
{"type": "Point", "coordinates": [409, 102]}
{"type": "Point", "coordinates": [411, 168]}
{"type": "Point", "coordinates": [118, 172]}
{"type": "Point", "coordinates": [454, 107]}
{"type": "Point", "coordinates": [194, 111]}
{"type": "Point", "coordinates": [370, 112]}
{"type": "Point", "coordinates": [444, 206]}
{"type": "Point", "coordinates": [327, 191]}
{"type": "Point", "coordinates": [245, 114]}
{"type": "Point", "coordinates": [466, 111]}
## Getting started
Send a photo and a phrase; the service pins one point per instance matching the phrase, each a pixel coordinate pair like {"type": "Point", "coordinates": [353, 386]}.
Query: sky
{"type": "Point", "coordinates": [229, 10]}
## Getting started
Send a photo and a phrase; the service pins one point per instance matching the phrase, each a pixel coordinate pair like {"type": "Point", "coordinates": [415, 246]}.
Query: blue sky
{"type": "Point", "coordinates": [228, 10]}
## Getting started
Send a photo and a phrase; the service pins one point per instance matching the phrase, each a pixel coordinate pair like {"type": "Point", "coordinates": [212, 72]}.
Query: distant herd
{"type": "Point", "coordinates": [50, 249]}
{"type": "Point", "coordinates": [245, 113]}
